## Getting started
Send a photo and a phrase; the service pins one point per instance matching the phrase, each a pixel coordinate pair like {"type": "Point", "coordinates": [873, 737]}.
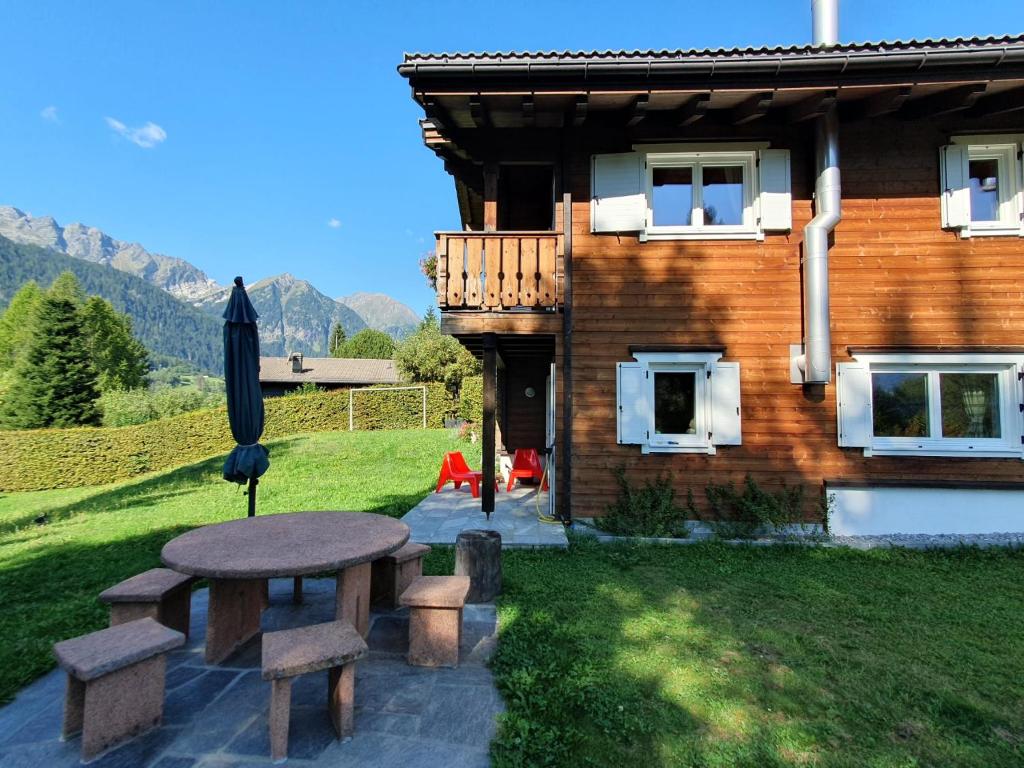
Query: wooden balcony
{"type": "Point", "coordinates": [499, 270]}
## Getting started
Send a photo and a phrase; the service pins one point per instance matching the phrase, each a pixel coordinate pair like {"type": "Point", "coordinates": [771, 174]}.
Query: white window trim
{"type": "Point", "coordinates": [1005, 149]}
{"type": "Point", "coordinates": [698, 362]}
{"type": "Point", "coordinates": [1009, 368]}
{"type": "Point", "coordinates": [698, 155]}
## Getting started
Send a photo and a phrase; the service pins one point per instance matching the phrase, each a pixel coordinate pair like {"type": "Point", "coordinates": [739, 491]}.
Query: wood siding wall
{"type": "Point", "coordinates": [896, 278]}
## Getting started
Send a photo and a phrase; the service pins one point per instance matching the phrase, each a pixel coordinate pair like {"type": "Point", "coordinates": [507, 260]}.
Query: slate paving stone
{"type": "Point", "coordinates": [44, 725]}
{"type": "Point", "coordinates": [390, 634]}
{"type": "Point", "coordinates": [140, 751]}
{"type": "Point", "coordinates": [309, 734]}
{"type": "Point", "coordinates": [175, 762]}
{"type": "Point", "coordinates": [386, 722]}
{"type": "Point", "coordinates": [388, 751]}
{"type": "Point", "coordinates": [460, 715]}
{"type": "Point", "coordinates": [216, 717]}
{"type": "Point", "coordinates": [181, 675]}
{"type": "Point", "coordinates": [193, 697]}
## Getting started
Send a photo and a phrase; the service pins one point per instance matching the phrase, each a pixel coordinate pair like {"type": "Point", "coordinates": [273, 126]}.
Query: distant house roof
{"type": "Point", "coordinates": [328, 370]}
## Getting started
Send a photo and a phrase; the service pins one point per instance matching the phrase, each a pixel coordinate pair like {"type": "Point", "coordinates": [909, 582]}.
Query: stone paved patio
{"type": "Point", "coordinates": [440, 517]}
{"type": "Point", "coordinates": [216, 717]}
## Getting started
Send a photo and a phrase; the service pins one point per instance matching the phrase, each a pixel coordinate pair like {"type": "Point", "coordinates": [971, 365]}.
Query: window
{"type": "Point", "coordinates": [982, 185]}
{"type": "Point", "coordinates": [671, 402]}
{"type": "Point", "coordinates": [692, 191]}
{"type": "Point", "coordinates": [701, 193]}
{"type": "Point", "coordinates": [931, 404]}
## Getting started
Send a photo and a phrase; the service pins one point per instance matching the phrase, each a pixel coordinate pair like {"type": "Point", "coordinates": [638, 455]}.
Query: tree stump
{"type": "Point", "coordinates": [478, 555]}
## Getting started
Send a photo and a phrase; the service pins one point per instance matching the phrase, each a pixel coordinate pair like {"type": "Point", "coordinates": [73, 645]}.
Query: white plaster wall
{"type": "Point", "coordinates": [879, 511]}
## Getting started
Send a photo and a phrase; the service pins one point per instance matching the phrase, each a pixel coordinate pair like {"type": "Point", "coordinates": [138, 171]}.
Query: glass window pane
{"type": "Point", "coordinates": [722, 189]}
{"type": "Point", "coordinates": [673, 197]}
{"type": "Point", "coordinates": [984, 190]}
{"type": "Point", "coordinates": [970, 404]}
{"type": "Point", "coordinates": [900, 404]}
{"type": "Point", "coordinates": [675, 401]}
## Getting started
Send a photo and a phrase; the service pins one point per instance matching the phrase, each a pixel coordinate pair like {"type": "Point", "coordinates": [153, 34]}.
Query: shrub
{"type": "Point", "coordinates": [471, 399]}
{"type": "Point", "coordinates": [138, 406]}
{"type": "Point", "coordinates": [647, 511]}
{"type": "Point", "coordinates": [468, 432]}
{"type": "Point", "coordinates": [753, 511]}
{"type": "Point", "coordinates": [67, 458]}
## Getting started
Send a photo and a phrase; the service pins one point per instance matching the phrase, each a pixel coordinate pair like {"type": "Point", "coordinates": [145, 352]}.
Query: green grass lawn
{"type": "Point", "coordinates": [700, 655]}
{"type": "Point", "coordinates": [90, 538]}
{"type": "Point", "coordinates": [710, 655]}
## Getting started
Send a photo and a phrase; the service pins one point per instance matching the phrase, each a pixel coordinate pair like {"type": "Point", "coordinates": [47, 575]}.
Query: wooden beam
{"type": "Point", "coordinates": [529, 112]}
{"type": "Point", "coordinates": [957, 99]}
{"type": "Point", "coordinates": [883, 103]}
{"type": "Point", "coordinates": [638, 110]}
{"type": "Point", "coordinates": [751, 109]}
{"type": "Point", "coordinates": [490, 197]}
{"type": "Point", "coordinates": [477, 112]}
{"type": "Point", "coordinates": [999, 104]}
{"type": "Point", "coordinates": [490, 365]}
{"type": "Point", "coordinates": [579, 113]}
{"type": "Point", "coordinates": [437, 114]}
{"type": "Point", "coordinates": [692, 111]}
{"type": "Point", "coordinates": [812, 107]}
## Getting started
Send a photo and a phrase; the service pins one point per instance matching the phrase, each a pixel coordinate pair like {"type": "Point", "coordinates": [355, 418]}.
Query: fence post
{"type": "Point", "coordinates": [424, 406]}
{"type": "Point", "coordinates": [350, 422]}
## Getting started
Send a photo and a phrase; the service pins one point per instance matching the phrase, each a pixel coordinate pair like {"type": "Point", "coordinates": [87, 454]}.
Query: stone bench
{"type": "Point", "coordinates": [159, 593]}
{"type": "Point", "coordinates": [333, 646]}
{"type": "Point", "coordinates": [392, 574]}
{"type": "Point", "coordinates": [115, 686]}
{"type": "Point", "coordinates": [435, 619]}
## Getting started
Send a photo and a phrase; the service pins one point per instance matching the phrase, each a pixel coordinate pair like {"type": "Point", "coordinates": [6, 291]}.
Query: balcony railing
{"type": "Point", "coordinates": [499, 270]}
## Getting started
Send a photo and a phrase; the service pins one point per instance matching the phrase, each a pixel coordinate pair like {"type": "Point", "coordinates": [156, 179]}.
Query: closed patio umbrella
{"type": "Point", "coordinates": [248, 459]}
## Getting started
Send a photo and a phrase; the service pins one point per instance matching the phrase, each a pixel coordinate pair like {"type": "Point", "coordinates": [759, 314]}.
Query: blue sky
{"type": "Point", "coordinates": [234, 134]}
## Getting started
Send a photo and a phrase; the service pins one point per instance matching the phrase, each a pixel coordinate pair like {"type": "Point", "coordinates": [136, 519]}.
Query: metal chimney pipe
{"type": "Point", "coordinates": [817, 342]}
{"type": "Point", "coordinates": [825, 23]}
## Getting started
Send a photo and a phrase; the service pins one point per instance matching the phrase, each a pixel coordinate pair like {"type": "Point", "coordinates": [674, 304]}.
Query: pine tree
{"type": "Point", "coordinates": [54, 383]}
{"type": "Point", "coordinates": [336, 342]}
{"type": "Point", "coordinates": [119, 358]}
{"type": "Point", "coordinates": [17, 322]}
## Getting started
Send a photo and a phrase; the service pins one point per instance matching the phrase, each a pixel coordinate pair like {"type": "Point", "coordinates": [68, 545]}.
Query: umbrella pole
{"type": "Point", "coordinates": [252, 496]}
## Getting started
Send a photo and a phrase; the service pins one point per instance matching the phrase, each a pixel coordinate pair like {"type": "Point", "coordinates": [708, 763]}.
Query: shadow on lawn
{"type": "Point", "coordinates": [52, 595]}
{"type": "Point", "coordinates": [715, 656]}
{"type": "Point", "coordinates": [149, 490]}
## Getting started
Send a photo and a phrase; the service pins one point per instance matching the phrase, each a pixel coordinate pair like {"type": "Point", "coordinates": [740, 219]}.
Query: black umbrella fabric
{"type": "Point", "coordinates": [248, 460]}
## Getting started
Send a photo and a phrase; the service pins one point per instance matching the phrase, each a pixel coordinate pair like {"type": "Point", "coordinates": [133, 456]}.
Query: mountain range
{"type": "Point", "coordinates": [294, 315]}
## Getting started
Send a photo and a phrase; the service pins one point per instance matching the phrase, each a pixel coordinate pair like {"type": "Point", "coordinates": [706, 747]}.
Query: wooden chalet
{"type": "Point", "coordinates": [805, 264]}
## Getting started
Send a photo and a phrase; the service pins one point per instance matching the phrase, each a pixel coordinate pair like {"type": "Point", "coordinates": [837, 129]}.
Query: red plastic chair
{"type": "Point", "coordinates": [526, 463]}
{"type": "Point", "coordinates": [454, 469]}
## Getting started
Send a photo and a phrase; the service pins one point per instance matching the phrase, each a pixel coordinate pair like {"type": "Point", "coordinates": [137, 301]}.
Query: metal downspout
{"type": "Point", "coordinates": [817, 341]}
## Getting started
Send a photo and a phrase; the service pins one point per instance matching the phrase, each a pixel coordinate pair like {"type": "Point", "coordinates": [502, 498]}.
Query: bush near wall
{"type": "Point", "coordinates": [39, 459]}
{"type": "Point", "coordinates": [471, 399]}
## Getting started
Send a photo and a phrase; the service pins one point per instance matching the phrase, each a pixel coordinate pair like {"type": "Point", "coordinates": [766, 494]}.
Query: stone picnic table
{"type": "Point", "coordinates": [237, 558]}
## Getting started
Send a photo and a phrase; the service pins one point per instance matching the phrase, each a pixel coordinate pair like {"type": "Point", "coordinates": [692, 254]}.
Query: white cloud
{"type": "Point", "coordinates": [147, 136]}
{"type": "Point", "coordinates": [50, 114]}
{"type": "Point", "coordinates": [334, 223]}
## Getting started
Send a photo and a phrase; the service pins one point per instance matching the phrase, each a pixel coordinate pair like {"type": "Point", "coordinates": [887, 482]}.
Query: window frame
{"type": "Point", "coordinates": [699, 363]}
{"type": "Point", "coordinates": [1006, 150]}
{"type": "Point", "coordinates": [745, 159]}
{"type": "Point", "coordinates": [1008, 368]}
{"type": "Point", "coordinates": [668, 440]}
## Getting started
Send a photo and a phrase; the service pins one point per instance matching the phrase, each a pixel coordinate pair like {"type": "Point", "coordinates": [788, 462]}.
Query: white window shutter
{"type": "Point", "coordinates": [617, 199]}
{"type": "Point", "coordinates": [634, 411]}
{"type": "Point", "coordinates": [776, 193]}
{"type": "Point", "coordinates": [725, 404]}
{"type": "Point", "coordinates": [853, 404]}
{"type": "Point", "coordinates": [956, 191]}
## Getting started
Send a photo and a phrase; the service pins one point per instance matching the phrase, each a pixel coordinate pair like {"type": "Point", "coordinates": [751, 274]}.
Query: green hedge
{"type": "Point", "coordinates": [66, 458]}
{"type": "Point", "coordinates": [471, 399]}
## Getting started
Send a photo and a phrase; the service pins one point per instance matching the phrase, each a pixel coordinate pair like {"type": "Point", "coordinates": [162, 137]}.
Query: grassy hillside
{"type": "Point", "coordinates": [165, 325]}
